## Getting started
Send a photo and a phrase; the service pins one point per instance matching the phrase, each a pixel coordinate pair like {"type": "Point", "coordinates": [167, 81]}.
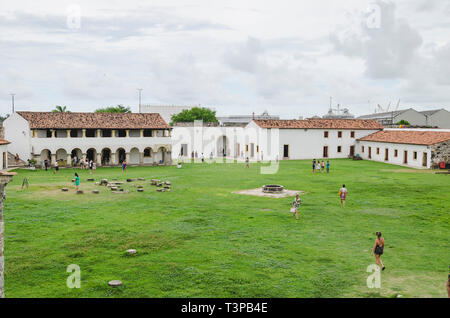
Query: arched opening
{"type": "Point", "coordinates": [135, 156]}
{"type": "Point", "coordinates": [106, 156]}
{"type": "Point", "coordinates": [61, 157]}
{"type": "Point", "coordinates": [46, 155]}
{"type": "Point", "coordinates": [148, 155]}
{"type": "Point", "coordinates": [91, 154]}
{"type": "Point", "coordinates": [161, 155]}
{"type": "Point", "coordinates": [121, 155]}
{"type": "Point", "coordinates": [76, 155]}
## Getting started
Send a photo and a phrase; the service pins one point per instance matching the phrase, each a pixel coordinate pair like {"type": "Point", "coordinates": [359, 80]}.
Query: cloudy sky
{"type": "Point", "coordinates": [237, 56]}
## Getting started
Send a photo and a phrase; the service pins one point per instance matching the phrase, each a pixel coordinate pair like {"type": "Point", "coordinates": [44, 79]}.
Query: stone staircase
{"type": "Point", "coordinates": [12, 162]}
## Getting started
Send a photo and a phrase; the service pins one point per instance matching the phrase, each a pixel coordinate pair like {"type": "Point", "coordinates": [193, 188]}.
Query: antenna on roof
{"type": "Point", "coordinates": [140, 90]}
{"type": "Point", "coordinates": [12, 101]}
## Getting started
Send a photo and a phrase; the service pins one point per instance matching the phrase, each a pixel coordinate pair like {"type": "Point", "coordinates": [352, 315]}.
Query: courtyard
{"type": "Point", "coordinates": [202, 240]}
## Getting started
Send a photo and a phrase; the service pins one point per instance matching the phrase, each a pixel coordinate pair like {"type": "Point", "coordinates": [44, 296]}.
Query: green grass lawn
{"type": "Point", "coordinates": [201, 240]}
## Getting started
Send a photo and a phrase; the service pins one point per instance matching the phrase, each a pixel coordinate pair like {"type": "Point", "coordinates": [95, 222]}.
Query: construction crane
{"type": "Point", "coordinates": [398, 105]}
{"type": "Point", "coordinates": [386, 110]}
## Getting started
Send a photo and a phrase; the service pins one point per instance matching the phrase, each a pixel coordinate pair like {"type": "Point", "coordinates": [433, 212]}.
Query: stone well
{"type": "Point", "coordinates": [272, 188]}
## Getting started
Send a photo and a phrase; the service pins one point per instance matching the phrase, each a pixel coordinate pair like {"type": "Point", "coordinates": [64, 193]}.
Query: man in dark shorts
{"type": "Point", "coordinates": [314, 165]}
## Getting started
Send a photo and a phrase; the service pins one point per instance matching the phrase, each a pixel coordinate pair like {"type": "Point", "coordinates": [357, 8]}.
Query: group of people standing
{"type": "Point", "coordinates": [320, 166]}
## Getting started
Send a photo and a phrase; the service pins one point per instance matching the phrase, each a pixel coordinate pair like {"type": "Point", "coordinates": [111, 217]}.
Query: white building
{"type": "Point", "coordinates": [191, 141]}
{"type": "Point", "coordinates": [4, 154]}
{"type": "Point", "coordinates": [105, 138]}
{"type": "Point", "coordinates": [311, 138]}
{"type": "Point", "coordinates": [165, 111]}
{"type": "Point", "coordinates": [417, 148]}
{"type": "Point", "coordinates": [243, 120]}
{"type": "Point", "coordinates": [391, 118]}
{"type": "Point", "coordinates": [274, 139]}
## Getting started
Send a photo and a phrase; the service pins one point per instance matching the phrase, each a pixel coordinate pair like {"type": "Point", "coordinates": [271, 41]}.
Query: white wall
{"type": "Point", "coordinates": [113, 143]}
{"type": "Point", "coordinates": [3, 149]}
{"type": "Point", "coordinates": [414, 163]}
{"type": "Point", "coordinates": [309, 143]}
{"type": "Point", "coordinates": [17, 132]}
{"type": "Point", "coordinates": [207, 140]}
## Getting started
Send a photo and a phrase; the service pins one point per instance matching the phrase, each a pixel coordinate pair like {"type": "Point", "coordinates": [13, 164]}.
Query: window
{"type": "Point", "coordinates": [147, 132]}
{"type": "Point", "coordinates": [378, 151]}
{"type": "Point", "coordinates": [74, 133]}
{"type": "Point", "coordinates": [49, 133]}
{"type": "Point", "coordinates": [106, 133]}
{"type": "Point", "coordinates": [339, 149]}
{"type": "Point", "coordinates": [325, 134]}
{"type": "Point", "coordinates": [121, 133]}
{"type": "Point", "coordinates": [352, 134]}
{"type": "Point", "coordinates": [91, 133]}
{"type": "Point", "coordinates": [395, 153]}
{"type": "Point", "coordinates": [339, 134]}
{"type": "Point", "coordinates": [246, 148]}
{"type": "Point", "coordinates": [257, 148]}
{"type": "Point", "coordinates": [286, 151]}
{"type": "Point", "coordinates": [362, 149]}
{"type": "Point", "coordinates": [325, 151]}
{"type": "Point", "coordinates": [415, 155]}
{"type": "Point", "coordinates": [147, 152]}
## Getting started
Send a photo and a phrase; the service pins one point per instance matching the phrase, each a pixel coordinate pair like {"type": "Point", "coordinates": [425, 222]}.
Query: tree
{"type": "Point", "coordinates": [60, 109]}
{"type": "Point", "coordinates": [403, 122]}
{"type": "Point", "coordinates": [193, 114]}
{"type": "Point", "coordinates": [114, 109]}
{"type": "Point", "coordinates": [2, 118]}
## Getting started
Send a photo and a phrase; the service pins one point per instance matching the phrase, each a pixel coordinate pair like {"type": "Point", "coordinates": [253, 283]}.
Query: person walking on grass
{"type": "Point", "coordinates": [296, 204]}
{"type": "Point", "coordinates": [314, 165]}
{"type": "Point", "coordinates": [91, 166]}
{"type": "Point", "coordinates": [377, 249]}
{"type": "Point", "coordinates": [56, 167]}
{"type": "Point", "coordinates": [318, 166]}
{"type": "Point", "coordinates": [322, 166]}
{"type": "Point", "coordinates": [94, 167]}
{"type": "Point", "coordinates": [77, 182]}
{"type": "Point", "coordinates": [328, 166]}
{"type": "Point", "coordinates": [124, 166]}
{"type": "Point", "coordinates": [343, 195]}
{"type": "Point", "coordinates": [247, 163]}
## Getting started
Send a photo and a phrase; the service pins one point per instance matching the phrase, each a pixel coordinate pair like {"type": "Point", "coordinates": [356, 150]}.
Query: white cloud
{"type": "Point", "coordinates": [285, 56]}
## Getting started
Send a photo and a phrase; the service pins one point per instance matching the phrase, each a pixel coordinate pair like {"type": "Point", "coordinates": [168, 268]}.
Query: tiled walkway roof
{"type": "Point", "coordinates": [408, 137]}
{"type": "Point", "coordinates": [50, 120]}
{"type": "Point", "coordinates": [320, 124]}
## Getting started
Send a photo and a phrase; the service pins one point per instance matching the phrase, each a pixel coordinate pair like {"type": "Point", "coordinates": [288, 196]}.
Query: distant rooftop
{"type": "Point", "coordinates": [408, 137]}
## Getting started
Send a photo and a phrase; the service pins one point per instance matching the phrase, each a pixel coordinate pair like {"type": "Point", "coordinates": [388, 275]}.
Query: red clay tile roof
{"type": "Point", "coordinates": [4, 142]}
{"type": "Point", "coordinates": [50, 120]}
{"type": "Point", "coordinates": [320, 124]}
{"type": "Point", "coordinates": [408, 137]}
